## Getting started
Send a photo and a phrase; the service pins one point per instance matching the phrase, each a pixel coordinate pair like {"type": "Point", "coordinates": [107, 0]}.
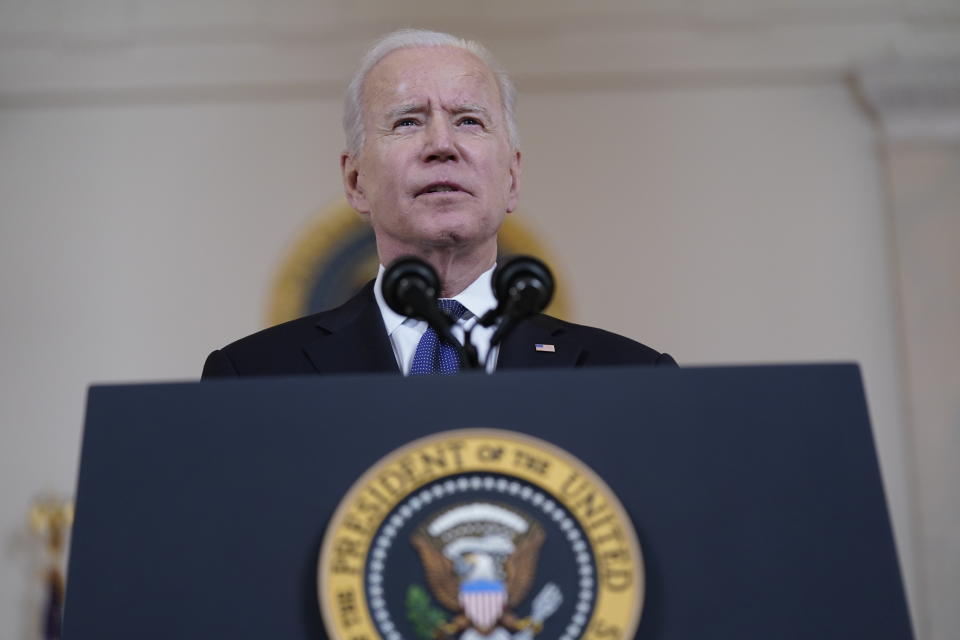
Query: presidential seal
{"type": "Point", "coordinates": [480, 534]}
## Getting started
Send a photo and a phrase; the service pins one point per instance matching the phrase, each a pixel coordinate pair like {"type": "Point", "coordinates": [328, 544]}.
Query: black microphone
{"type": "Point", "coordinates": [523, 286]}
{"type": "Point", "coordinates": [410, 286]}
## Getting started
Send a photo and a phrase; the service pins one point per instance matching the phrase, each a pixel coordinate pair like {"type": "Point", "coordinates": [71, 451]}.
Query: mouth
{"type": "Point", "coordinates": [441, 187]}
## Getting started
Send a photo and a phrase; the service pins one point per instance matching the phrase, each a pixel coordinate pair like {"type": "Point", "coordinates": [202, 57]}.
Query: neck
{"type": "Point", "coordinates": [457, 267]}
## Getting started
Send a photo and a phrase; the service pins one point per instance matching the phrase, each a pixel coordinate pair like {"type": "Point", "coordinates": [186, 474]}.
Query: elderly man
{"type": "Point", "coordinates": [432, 161]}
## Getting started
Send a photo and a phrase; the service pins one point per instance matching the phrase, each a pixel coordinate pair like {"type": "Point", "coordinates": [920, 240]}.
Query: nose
{"type": "Point", "coordinates": [439, 144]}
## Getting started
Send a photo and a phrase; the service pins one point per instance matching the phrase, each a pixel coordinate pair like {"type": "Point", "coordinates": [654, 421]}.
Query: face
{"type": "Point", "coordinates": [436, 168]}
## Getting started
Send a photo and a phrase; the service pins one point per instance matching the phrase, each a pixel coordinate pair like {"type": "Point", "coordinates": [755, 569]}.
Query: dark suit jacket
{"type": "Point", "coordinates": [353, 339]}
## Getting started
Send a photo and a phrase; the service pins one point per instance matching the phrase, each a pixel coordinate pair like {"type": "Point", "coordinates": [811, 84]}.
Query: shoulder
{"type": "Point", "coordinates": [280, 349]}
{"type": "Point", "coordinates": [603, 348]}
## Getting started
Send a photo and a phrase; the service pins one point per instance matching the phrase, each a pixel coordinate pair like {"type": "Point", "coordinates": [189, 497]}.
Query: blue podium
{"type": "Point", "coordinates": [754, 492]}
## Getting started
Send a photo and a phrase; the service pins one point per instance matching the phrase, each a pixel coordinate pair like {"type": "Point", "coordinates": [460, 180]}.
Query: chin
{"type": "Point", "coordinates": [450, 238]}
{"type": "Point", "coordinates": [457, 236]}
{"type": "Point", "coordinates": [455, 229]}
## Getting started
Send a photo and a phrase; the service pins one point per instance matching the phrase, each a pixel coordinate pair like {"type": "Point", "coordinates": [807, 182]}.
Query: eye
{"type": "Point", "coordinates": [470, 121]}
{"type": "Point", "coordinates": [405, 122]}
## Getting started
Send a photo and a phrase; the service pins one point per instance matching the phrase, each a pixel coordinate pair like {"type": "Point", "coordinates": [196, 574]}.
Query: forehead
{"type": "Point", "coordinates": [415, 74]}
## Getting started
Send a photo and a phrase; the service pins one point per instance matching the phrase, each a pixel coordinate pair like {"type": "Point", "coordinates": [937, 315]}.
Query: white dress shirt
{"type": "Point", "coordinates": [405, 333]}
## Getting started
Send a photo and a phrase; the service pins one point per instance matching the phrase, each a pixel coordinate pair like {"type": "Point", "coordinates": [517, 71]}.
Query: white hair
{"type": "Point", "coordinates": [408, 38]}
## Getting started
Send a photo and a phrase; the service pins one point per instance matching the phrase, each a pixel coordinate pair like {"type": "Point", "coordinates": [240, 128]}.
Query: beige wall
{"type": "Point", "coordinates": [732, 204]}
{"type": "Point", "coordinates": [925, 180]}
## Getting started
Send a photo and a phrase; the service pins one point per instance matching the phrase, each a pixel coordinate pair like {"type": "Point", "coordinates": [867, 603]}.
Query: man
{"type": "Point", "coordinates": [432, 161]}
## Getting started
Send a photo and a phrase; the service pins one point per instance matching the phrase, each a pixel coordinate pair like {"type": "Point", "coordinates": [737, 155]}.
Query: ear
{"type": "Point", "coordinates": [513, 195]}
{"type": "Point", "coordinates": [352, 186]}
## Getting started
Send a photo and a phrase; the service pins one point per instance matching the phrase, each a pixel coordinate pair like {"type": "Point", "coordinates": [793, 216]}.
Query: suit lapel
{"type": "Point", "coordinates": [354, 339]}
{"type": "Point", "coordinates": [519, 349]}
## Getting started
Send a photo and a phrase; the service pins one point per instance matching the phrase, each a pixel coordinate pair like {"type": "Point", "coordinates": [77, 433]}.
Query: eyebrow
{"type": "Point", "coordinates": [470, 108]}
{"type": "Point", "coordinates": [407, 109]}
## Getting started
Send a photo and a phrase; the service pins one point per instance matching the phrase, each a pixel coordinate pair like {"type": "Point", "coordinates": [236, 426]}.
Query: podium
{"type": "Point", "coordinates": [754, 492]}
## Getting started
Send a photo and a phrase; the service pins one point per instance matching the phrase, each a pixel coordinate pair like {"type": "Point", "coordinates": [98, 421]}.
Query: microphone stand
{"type": "Point", "coordinates": [410, 286]}
{"type": "Point", "coordinates": [516, 310]}
{"type": "Point", "coordinates": [469, 350]}
{"type": "Point", "coordinates": [523, 286]}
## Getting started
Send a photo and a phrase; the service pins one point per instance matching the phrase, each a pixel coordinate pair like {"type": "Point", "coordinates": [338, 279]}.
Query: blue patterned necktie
{"type": "Point", "coordinates": [434, 355]}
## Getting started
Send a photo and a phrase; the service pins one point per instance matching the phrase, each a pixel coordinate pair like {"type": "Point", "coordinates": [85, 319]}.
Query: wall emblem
{"type": "Point", "coordinates": [480, 534]}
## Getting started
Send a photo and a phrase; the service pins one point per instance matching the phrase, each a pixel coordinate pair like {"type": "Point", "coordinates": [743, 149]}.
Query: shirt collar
{"type": "Point", "coordinates": [477, 298]}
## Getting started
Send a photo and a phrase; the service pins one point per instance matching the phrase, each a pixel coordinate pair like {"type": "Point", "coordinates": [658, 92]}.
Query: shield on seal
{"type": "Point", "coordinates": [483, 602]}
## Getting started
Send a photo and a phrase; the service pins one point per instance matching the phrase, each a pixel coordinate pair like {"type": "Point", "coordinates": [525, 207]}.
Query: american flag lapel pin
{"type": "Point", "coordinates": [549, 348]}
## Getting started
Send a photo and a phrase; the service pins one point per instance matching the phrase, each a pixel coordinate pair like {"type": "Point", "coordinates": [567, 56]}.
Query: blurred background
{"type": "Point", "coordinates": [732, 181]}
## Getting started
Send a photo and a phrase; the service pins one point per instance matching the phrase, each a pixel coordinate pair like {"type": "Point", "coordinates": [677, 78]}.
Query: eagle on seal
{"type": "Point", "coordinates": [480, 560]}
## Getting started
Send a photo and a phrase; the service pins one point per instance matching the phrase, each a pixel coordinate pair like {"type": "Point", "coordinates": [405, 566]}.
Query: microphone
{"type": "Point", "coordinates": [523, 286]}
{"type": "Point", "coordinates": [410, 286]}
